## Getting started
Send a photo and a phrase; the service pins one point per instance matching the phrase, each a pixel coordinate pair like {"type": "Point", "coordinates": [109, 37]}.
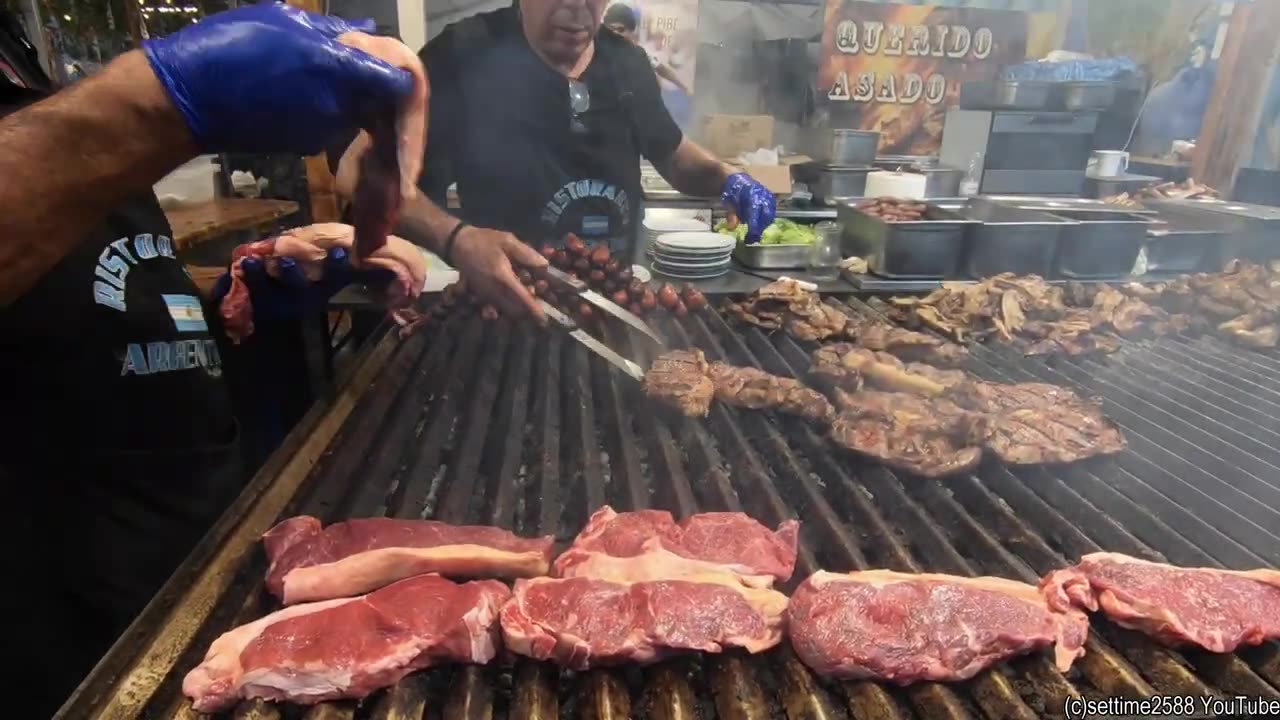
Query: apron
{"type": "Point", "coordinates": [122, 448]}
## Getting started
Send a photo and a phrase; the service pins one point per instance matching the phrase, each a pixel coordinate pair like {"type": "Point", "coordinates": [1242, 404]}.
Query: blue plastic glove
{"type": "Point", "coordinates": [271, 78]}
{"type": "Point", "coordinates": [291, 294]}
{"type": "Point", "coordinates": [754, 204]}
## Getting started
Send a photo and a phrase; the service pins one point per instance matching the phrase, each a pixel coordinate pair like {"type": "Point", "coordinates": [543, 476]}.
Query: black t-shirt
{"type": "Point", "coordinates": [503, 128]}
{"type": "Point", "coordinates": [119, 447]}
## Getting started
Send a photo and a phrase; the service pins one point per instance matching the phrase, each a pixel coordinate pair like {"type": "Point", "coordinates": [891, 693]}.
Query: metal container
{"type": "Point", "coordinates": [1184, 240]}
{"type": "Point", "coordinates": [772, 257]}
{"type": "Point", "coordinates": [834, 184]}
{"type": "Point", "coordinates": [926, 249]}
{"type": "Point", "coordinates": [1082, 95]}
{"type": "Point", "coordinates": [839, 146]}
{"type": "Point", "coordinates": [1100, 245]}
{"type": "Point", "coordinates": [1254, 229]}
{"type": "Point", "coordinates": [1053, 203]}
{"type": "Point", "coordinates": [1004, 95]}
{"type": "Point", "coordinates": [1010, 239]}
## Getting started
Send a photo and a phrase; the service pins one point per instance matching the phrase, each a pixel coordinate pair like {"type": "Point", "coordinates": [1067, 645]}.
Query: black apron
{"type": "Point", "coordinates": [122, 447]}
{"type": "Point", "coordinates": [524, 161]}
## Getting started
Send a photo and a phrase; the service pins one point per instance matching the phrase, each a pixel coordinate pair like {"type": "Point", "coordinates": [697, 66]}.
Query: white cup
{"type": "Point", "coordinates": [1110, 163]}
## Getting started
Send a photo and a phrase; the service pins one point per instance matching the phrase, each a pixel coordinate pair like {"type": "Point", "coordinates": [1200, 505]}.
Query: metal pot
{"type": "Point", "coordinates": [840, 146]}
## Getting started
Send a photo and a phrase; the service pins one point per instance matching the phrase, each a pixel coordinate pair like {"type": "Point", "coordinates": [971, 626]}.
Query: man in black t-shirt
{"type": "Point", "coordinates": [119, 449]}
{"type": "Point", "coordinates": [541, 116]}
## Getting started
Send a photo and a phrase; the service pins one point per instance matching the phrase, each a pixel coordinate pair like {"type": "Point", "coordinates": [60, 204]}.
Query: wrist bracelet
{"type": "Point", "coordinates": [447, 255]}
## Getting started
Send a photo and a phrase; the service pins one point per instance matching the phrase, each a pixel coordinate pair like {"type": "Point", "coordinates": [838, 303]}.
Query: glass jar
{"type": "Point", "coordinates": [825, 254]}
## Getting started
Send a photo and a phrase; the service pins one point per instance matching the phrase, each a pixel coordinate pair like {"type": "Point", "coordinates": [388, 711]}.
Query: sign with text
{"type": "Point", "coordinates": [668, 32]}
{"type": "Point", "coordinates": [896, 68]}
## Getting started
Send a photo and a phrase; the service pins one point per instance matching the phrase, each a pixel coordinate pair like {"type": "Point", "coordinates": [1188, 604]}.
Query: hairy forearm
{"type": "Point", "coordinates": [425, 223]}
{"type": "Point", "coordinates": [67, 161]}
{"type": "Point", "coordinates": [694, 171]}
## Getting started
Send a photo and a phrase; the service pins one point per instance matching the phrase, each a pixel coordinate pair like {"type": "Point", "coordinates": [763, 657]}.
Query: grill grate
{"type": "Point", "coordinates": [528, 431]}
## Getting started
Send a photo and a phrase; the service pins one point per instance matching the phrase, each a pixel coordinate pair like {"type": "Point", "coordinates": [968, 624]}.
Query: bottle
{"type": "Point", "coordinates": [973, 177]}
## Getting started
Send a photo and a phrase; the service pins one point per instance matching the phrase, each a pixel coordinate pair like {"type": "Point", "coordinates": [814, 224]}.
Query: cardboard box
{"type": "Point", "coordinates": [728, 136]}
{"type": "Point", "coordinates": [776, 178]}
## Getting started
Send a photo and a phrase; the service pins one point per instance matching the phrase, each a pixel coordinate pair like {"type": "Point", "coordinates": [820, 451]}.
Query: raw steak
{"type": "Point", "coordinates": [904, 628]}
{"type": "Point", "coordinates": [308, 247]}
{"type": "Point", "coordinates": [375, 209]}
{"type": "Point", "coordinates": [1218, 610]}
{"type": "Point", "coordinates": [350, 647]}
{"type": "Point", "coordinates": [356, 556]}
{"type": "Point", "coordinates": [585, 622]}
{"type": "Point", "coordinates": [650, 544]}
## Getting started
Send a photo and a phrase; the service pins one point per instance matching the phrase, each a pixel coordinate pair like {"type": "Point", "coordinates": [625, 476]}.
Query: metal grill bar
{"type": "Point", "coordinates": [490, 424]}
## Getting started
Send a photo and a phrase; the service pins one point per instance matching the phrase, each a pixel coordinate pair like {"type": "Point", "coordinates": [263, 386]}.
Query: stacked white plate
{"type": "Point", "coordinates": [692, 255]}
{"type": "Point", "coordinates": [655, 225]}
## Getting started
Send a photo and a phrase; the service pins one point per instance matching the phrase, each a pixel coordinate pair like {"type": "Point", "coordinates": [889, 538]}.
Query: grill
{"type": "Point", "coordinates": [528, 431]}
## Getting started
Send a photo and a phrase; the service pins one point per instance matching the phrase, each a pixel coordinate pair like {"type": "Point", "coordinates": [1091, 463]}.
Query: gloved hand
{"type": "Point", "coordinates": [754, 204]}
{"type": "Point", "coordinates": [291, 294]}
{"type": "Point", "coordinates": [272, 78]}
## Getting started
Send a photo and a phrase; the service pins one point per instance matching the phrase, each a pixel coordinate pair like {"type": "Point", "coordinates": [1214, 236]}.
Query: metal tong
{"type": "Point", "coordinates": [565, 282]}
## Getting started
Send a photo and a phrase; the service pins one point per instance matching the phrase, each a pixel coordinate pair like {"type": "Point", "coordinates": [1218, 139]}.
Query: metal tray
{"type": "Point", "coordinates": [1185, 240]}
{"type": "Point", "coordinates": [1100, 244]}
{"type": "Point", "coordinates": [833, 184]}
{"type": "Point", "coordinates": [1004, 95]}
{"type": "Point", "coordinates": [926, 249]}
{"type": "Point", "coordinates": [840, 146]}
{"type": "Point", "coordinates": [772, 257]}
{"type": "Point", "coordinates": [1010, 239]}
{"type": "Point", "coordinates": [1082, 95]}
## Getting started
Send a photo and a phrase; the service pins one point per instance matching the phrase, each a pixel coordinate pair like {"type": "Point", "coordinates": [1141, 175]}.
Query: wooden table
{"type": "Point", "coordinates": [200, 222]}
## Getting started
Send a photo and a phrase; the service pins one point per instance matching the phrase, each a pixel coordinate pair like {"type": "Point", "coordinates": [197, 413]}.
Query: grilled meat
{"type": "Point", "coordinates": [681, 379]}
{"type": "Point", "coordinates": [1061, 434]}
{"type": "Point", "coordinates": [989, 397]}
{"type": "Point", "coordinates": [928, 437]}
{"type": "Point", "coordinates": [758, 390]}
{"type": "Point", "coordinates": [814, 320]}
{"type": "Point", "coordinates": [685, 380]}
{"type": "Point", "coordinates": [787, 304]}
{"type": "Point", "coordinates": [844, 365]}
{"type": "Point", "coordinates": [1039, 423]}
{"type": "Point", "coordinates": [906, 345]}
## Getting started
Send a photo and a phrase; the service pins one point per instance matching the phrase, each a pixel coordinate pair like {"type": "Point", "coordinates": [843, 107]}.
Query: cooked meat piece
{"type": "Point", "coordinates": [814, 320]}
{"type": "Point", "coordinates": [681, 379]}
{"type": "Point", "coordinates": [758, 390]}
{"type": "Point", "coordinates": [786, 290]}
{"type": "Point", "coordinates": [928, 437]}
{"type": "Point", "coordinates": [746, 313]}
{"type": "Point", "coordinates": [946, 378]}
{"type": "Point", "coordinates": [829, 370]}
{"type": "Point", "coordinates": [906, 345]}
{"type": "Point", "coordinates": [845, 365]}
{"type": "Point", "coordinates": [991, 397]}
{"type": "Point", "coordinates": [1248, 331]}
{"type": "Point", "coordinates": [1057, 434]}
{"type": "Point", "coordinates": [1038, 422]}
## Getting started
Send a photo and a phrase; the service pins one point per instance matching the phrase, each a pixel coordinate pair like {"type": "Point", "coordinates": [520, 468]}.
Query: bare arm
{"type": "Point", "coordinates": [694, 171]}
{"type": "Point", "coordinates": [666, 73]}
{"type": "Point", "coordinates": [69, 160]}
